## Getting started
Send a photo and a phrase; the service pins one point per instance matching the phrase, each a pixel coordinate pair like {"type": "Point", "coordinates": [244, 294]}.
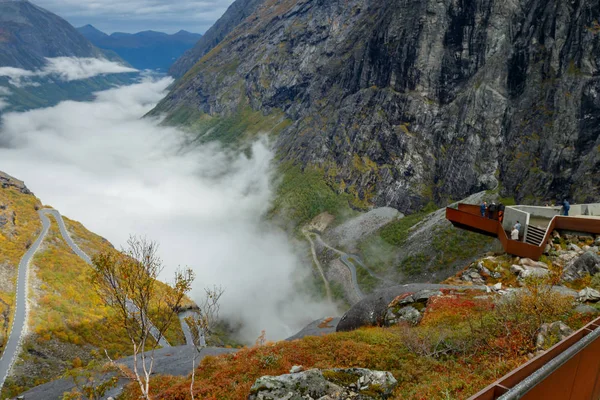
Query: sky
{"type": "Point", "coordinates": [99, 163]}
{"type": "Point", "coordinates": [132, 16]}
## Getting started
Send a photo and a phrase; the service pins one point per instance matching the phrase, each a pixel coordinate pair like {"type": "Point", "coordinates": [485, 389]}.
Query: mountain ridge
{"type": "Point", "coordinates": [415, 113]}
{"type": "Point", "coordinates": [143, 50]}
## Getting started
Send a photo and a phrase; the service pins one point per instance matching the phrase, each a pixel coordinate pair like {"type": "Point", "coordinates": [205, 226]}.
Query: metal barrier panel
{"type": "Point", "coordinates": [577, 379]}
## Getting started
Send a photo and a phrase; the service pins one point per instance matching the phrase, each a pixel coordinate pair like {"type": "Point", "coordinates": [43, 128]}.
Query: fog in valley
{"type": "Point", "coordinates": [99, 163]}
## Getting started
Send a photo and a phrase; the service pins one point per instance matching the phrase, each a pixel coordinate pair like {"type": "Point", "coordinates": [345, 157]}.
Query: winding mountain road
{"type": "Point", "coordinates": [65, 234]}
{"type": "Point", "coordinates": [318, 264]}
{"type": "Point", "coordinates": [11, 350]}
{"type": "Point", "coordinates": [348, 259]}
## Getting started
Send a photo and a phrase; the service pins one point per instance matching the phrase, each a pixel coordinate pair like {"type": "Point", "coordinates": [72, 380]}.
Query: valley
{"type": "Point", "coordinates": [299, 202]}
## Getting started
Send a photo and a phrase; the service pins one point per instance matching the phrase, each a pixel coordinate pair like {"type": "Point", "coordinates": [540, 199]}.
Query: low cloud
{"type": "Point", "coordinates": [65, 69]}
{"type": "Point", "coordinates": [99, 163]}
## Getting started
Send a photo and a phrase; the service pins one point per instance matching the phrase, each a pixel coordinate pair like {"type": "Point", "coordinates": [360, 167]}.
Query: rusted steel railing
{"type": "Point", "coordinates": [569, 370]}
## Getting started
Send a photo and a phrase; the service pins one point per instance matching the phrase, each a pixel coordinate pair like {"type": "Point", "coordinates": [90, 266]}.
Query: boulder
{"type": "Point", "coordinates": [587, 264]}
{"type": "Point", "coordinates": [573, 247]}
{"type": "Point", "coordinates": [534, 272]}
{"type": "Point", "coordinates": [586, 309]}
{"type": "Point", "coordinates": [516, 269]}
{"type": "Point", "coordinates": [588, 294]}
{"type": "Point", "coordinates": [597, 242]}
{"type": "Point", "coordinates": [330, 384]}
{"type": "Point", "coordinates": [557, 330]}
{"type": "Point", "coordinates": [497, 286]}
{"type": "Point", "coordinates": [408, 314]}
{"type": "Point", "coordinates": [586, 239]}
{"type": "Point", "coordinates": [373, 309]}
{"type": "Point", "coordinates": [528, 262]}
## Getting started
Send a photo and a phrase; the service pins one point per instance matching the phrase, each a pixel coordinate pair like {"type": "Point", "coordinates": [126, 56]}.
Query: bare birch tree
{"type": "Point", "coordinates": [127, 281]}
{"type": "Point", "coordinates": [202, 323]}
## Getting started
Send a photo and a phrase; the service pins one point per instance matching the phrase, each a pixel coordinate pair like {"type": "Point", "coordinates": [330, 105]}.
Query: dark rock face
{"type": "Point", "coordinates": [404, 102]}
{"type": "Point", "coordinates": [29, 33]}
{"type": "Point", "coordinates": [235, 14]}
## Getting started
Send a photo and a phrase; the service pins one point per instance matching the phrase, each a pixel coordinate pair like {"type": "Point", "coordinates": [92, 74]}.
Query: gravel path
{"type": "Point", "coordinates": [318, 264]}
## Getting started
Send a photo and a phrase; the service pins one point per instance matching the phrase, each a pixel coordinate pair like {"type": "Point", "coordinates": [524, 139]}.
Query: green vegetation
{"type": "Point", "coordinates": [304, 194]}
{"type": "Point", "coordinates": [462, 344]}
{"type": "Point", "coordinates": [396, 232]}
{"type": "Point", "coordinates": [228, 130]}
{"type": "Point", "coordinates": [366, 282]}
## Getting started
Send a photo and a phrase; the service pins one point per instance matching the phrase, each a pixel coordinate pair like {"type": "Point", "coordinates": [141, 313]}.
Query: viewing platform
{"type": "Point", "coordinates": [537, 224]}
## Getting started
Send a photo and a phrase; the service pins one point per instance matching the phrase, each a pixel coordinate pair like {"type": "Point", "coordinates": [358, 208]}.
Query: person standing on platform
{"type": "Point", "coordinates": [514, 234]}
{"type": "Point", "coordinates": [483, 208]}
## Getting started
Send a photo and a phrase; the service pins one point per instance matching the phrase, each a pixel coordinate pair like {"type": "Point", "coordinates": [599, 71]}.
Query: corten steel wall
{"type": "Point", "coordinates": [468, 216]}
{"type": "Point", "coordinates": [577, 379]}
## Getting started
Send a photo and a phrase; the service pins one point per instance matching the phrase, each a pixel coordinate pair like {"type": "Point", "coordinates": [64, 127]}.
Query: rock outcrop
{"type": "Point", "coordinates": [331, 384]}
{"type": "Point", "coordinates": [404, 103]}
{"type": "Point", "coordinates": [586, 264]}
{"type": "Point", "coordinates": [7, 180]}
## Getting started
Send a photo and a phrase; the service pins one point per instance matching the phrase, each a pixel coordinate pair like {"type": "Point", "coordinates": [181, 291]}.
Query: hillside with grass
{"type": "Point", "coordinates": [69, 324]}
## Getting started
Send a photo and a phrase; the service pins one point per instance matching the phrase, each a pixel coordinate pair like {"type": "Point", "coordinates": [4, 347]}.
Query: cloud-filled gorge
{"type": "Point", "coordinates": [99, 163]}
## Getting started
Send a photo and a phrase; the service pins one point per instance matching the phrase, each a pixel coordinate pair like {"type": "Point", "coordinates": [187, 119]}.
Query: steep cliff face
{"type": "Point", "coordinates": [235, 14]}
{"type": "Point", "coordinates": [403, 102]}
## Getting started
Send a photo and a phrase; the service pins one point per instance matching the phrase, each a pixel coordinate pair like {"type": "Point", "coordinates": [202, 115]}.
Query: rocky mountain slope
{"type": "Point", "coordinates": [403, 103]}
{"type": "Point", "coordinates": [235, 14]}
{"type": "Point", "coordinates": [29, 34]}
{"type": "Point", "coordinates": [143, 50]}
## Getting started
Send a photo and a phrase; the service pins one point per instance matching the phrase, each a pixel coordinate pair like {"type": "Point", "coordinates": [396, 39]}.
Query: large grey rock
{"type": "Point", "coordinates": [586, 264]}
{"type": "Point", "coordinates": [586, 309]}
{"type": "Point", "coordinates": [372, 310]}
{"type": "Point", "coordinates": [534, 272]}
{"type": "Point", "coordinates": [588, 294]}
{"type": "Point", "coordinates": [557, 330]}
{"type": "Point", "coordinates": [332, 384]}
{"type": "Point", "coordinates": [407, 314]}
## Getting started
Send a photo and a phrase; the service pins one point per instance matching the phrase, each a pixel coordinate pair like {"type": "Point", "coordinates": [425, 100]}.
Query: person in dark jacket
{"type": "Point", "coordinates": [483, 208]}
{"type": "Point", "coordinates": [566, 207]}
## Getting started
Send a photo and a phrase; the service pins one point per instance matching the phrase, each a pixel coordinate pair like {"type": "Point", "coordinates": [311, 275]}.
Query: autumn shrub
{"type": "Point", "coordinates": [520, 314]}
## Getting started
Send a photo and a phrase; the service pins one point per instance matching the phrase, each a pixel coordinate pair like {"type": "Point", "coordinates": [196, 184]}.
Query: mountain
{"type": "Point", "coordinates": [29, 34]}
{"type": "Point", "coordinates": [406, 103]}
{"type": "Point", "coordinates": [235, 14]}
{"type": "Point", "coordinates": [143, 50]}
